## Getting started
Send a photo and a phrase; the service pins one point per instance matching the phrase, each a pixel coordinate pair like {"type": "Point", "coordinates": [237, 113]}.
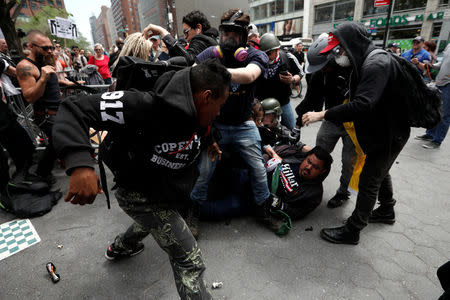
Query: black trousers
{"type": "Point", "coordinates": [47, 160]}
{"type": "Point", "coordinates": [375, 181]}
{"type": "Point", "coordinates": [15, 140]}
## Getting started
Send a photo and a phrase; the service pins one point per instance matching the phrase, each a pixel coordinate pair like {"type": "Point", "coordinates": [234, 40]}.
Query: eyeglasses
{"type": "Point", "coordinates": [98, 49]}
{"type": "Point", "coordinates": [186, 31]}
{"type": "Point", "coordinates": [58, 46]}
{"type": "Point", "coordinates": [45, 48]}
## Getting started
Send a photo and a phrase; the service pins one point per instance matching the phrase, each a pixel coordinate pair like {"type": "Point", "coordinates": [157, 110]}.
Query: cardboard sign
{"type": "Point", "coordinates": [63, 28]}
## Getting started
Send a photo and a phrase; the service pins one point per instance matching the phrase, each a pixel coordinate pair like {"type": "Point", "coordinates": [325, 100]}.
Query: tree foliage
{"type": "Point", "coordinates": [40, 22]}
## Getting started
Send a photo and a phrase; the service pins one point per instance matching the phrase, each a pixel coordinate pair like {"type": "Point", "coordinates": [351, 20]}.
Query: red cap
{"type": "Point", "coordinates": [332, 42]}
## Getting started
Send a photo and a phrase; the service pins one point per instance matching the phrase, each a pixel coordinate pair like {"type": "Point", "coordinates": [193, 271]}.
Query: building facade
{"type": "Point", "coordinates": [103, 31]}
{"type": "Point", "coordinates": [93, 24]}
{"type": "Point", "coordinates": [410, 18]}
{"type": "Point", "coordinates": [159, 12]}
{"type": "Point", "coordinates": [212, 9]}
{"type": "Point", "coordinates": [126, 16]}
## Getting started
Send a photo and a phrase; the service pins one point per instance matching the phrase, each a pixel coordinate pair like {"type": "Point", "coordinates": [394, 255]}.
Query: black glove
{"type": "Point", "coordinates": [294, 136]}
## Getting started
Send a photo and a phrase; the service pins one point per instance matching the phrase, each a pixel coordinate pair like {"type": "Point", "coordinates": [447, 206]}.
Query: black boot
{"type": "Point", "coordinates": [383, 214]}
{"type": "Point", "coordinates": [347, 234]}
{"type": "Point", "coordinates": [22, 180]}
{"type": "Point", "coordinates": [263, 215]}
{"type": "Point", "coordinates": [192, 219]}
{"type": "Point", "coordinates": [338, 200]}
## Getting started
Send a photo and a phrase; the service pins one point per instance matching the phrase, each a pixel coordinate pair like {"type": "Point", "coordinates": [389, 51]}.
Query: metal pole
{"type": "Point", "coordinates": [386, 31]}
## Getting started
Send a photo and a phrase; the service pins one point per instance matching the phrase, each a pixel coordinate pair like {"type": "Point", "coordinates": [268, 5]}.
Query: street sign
{"type": "Point", "coordinates": [379, 3]}
{"type": "Point", "coordinates": [63, 28]}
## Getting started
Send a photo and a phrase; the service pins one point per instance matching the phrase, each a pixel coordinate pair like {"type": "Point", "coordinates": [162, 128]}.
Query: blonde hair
{"type": "Point", "coordinates": [135, 45]}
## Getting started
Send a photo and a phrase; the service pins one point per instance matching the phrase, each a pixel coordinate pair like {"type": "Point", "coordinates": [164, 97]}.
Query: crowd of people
{"type": "Point", "coordinates": [227, 110]}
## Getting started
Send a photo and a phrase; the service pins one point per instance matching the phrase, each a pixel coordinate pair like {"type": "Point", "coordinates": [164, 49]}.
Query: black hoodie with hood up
{"type": "Point", "coordinates": [154, 139]}
{"type": "Point", "coordinates": [376, 96]}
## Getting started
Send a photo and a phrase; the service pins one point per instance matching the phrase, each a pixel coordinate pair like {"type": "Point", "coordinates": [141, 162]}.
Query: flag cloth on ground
{"type": "Point", "coordinates": [360, 156]}
{"type": "Point", "coordinates": [15, 236]}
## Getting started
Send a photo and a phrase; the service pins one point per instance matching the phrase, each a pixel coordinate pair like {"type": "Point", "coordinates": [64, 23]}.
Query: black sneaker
{"type": "Point", "coordinates": [378, 216]}
{"type": "Point", "coordinates": [431, 145]}
{"type": "Point", "coordinates": [424, 137]}
{"type": "Point", "coordinates": [338, 200]}
{"type": "Point", "coordinates": [24, 181]}
{"type": "Point", "coordinates": [112, 253]}
{"type": "Point", "coordinates": [346, 234]}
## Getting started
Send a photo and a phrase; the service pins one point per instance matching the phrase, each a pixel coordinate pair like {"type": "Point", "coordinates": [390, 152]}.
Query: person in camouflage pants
{"type": "Point", "coordinates": [172, 234]}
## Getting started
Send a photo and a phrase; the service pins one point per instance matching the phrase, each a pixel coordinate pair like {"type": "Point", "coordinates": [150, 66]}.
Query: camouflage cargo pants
{"type": "Point", "coordinates": [172, 235]}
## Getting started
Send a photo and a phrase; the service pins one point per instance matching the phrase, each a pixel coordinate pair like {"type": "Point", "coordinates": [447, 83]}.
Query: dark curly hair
{"type": "Point", "coordinates": [197, 17]}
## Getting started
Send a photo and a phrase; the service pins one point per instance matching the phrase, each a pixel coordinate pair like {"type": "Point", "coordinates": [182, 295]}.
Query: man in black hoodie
{"type": "Point", "coordinates": [197, 31]}
{"type": "Point", "coordinates": [376, 108]}
{"type": "Point", "coordinates": [153, 144]}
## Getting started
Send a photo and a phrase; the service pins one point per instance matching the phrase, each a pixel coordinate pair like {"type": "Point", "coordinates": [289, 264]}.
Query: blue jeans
{"type": "Point", "coordinates": [440, 131]}
{"type": "Point", "coordinates": [244, 139]}
{"type": "Point", "coordinates": [288, 116]}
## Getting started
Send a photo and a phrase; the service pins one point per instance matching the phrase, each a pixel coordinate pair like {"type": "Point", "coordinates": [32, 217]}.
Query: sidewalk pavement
{"type": "Point", "coordinates": [391, 262]}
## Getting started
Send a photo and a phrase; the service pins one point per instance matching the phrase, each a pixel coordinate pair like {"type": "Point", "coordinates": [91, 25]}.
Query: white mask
{"type": "Point", "coordinates": [343, 61]}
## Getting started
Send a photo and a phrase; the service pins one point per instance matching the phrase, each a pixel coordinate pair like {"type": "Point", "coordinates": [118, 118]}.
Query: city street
{"type": "Point", "coordinates": [390, 262]}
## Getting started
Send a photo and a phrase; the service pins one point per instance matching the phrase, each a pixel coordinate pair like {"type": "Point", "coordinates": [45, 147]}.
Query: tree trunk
{"type": "Point", "coordinates": [7, 24]}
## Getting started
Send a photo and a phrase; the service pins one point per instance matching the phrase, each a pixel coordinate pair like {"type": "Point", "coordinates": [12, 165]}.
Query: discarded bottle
{"type": "Point", "coordinates": [51, 269]}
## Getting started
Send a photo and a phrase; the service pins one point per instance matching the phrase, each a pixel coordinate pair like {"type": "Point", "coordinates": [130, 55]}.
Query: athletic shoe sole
{"type": "Point", "coordinates": [420, 138]}
{"type": "Point", "coordinates": [123, 256]}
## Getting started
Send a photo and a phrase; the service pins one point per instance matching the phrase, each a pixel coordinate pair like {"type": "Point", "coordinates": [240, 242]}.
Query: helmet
{"type": "Point", "coordinates": [271, 106]}
{"type": "Point", "coordinates": [234, 25]}
{"type": "Point", "coordinates": [269, 42]}
{"type": "Point", "coordinates": [316, 60]}
{"type": "Point", "coordinates": [252, 29]}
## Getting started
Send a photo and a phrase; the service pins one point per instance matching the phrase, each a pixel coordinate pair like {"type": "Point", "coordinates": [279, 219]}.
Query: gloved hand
{"type": "Point", "coordinates": [294, 136]}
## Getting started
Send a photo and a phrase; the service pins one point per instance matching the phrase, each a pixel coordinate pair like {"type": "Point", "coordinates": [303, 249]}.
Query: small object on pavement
{"type": "Point", "coordinates": [310, 228]}
{"type": "Point", "coordinates": [51, 269]}
{"type": "Point", "coordinates": [60, 247]}
{"type": "Point", "coordinates": [217, 285]}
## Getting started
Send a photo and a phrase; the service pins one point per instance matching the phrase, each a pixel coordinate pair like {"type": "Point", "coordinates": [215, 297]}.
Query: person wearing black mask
{"type": "Point", "coordinates": [235, 125]}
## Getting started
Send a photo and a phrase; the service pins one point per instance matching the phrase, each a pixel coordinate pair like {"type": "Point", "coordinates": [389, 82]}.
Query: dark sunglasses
{"type": "Point", "coordinates": [186, 31]}
{"type": "Point", "coordinates": [45, 48]}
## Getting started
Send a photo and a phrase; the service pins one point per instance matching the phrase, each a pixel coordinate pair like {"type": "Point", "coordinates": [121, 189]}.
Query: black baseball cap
{"type": "Point", "coordinates": [393, 45]}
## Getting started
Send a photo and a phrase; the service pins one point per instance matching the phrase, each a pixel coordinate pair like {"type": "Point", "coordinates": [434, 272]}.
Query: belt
{"type": "Point", "coordinates": [50, 112]}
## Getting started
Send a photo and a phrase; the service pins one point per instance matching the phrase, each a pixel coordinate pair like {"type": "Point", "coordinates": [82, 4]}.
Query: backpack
{"type": "Point", "coordinates": [133, 72]}
{"type": "Point", "coordinates": [422, 102]}
{"type": "Point", "coordinates": [93, 76]}
{"type": "Point", "coordinates": [26, 204]}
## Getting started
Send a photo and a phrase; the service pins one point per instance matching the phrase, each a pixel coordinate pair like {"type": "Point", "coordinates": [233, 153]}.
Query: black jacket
{"type": "Point", "coordinates": [329, 87]}
{"type": "Point", "coordinates": [299, 197]}
{"type": "Point", "coordinates": [375, 92]}
{"type": "Point", "coordinates": [153, 140]}
{"type": "Point", "coordinates": [198, 43]}
{"type": "Point", "coordinates": [272, 86]}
